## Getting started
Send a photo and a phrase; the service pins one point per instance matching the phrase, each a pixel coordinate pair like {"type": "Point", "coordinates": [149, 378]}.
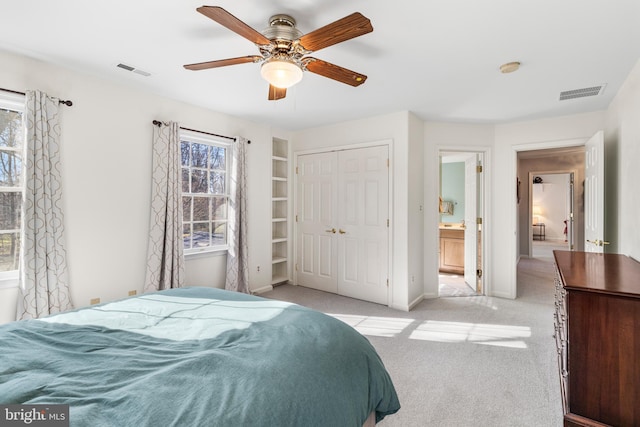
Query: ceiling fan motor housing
{"type": "Point", "coordinates": [282, 27]}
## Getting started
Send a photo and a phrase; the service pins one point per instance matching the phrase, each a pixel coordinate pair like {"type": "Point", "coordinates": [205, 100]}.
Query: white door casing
{"type": "Point", "coordinates": [570, 209]}
{"type": "Point", "coordinates": [342, 243]}
{"type": "Point", "coordinates": [594, 194]}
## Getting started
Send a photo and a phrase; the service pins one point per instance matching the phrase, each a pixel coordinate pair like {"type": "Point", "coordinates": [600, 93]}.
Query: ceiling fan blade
{"type": "Point", "coordinates": [327, 69]}
{"type": "Point", "coordinates": [276, 93]}
{"type": "Point", "coordinates": [226, 19]}
{"type": "Point", "coordinates": [223, 62]}
{"type": "Point", "coordinates": [343, 29]}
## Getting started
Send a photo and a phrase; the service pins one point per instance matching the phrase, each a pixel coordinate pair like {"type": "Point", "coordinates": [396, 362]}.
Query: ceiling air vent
{"type": "Point", "coordinates": [581, 93]}
{"type": "Point", "coordinates": [135, 70]}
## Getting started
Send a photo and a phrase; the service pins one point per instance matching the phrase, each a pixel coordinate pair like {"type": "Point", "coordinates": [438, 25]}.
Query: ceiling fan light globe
{"type": "Point", "coordinates": [281, 74]}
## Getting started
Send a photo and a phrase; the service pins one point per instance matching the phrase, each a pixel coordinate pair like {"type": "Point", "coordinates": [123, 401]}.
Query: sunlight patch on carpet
{"type": "Point", "coordinates": [477, 333]}
{"type": "Point", "coordinates": [375, 326]}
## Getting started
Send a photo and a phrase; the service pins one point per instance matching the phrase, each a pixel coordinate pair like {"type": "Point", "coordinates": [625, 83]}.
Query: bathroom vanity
{"type": "Point", "coordinates": [452, 249]}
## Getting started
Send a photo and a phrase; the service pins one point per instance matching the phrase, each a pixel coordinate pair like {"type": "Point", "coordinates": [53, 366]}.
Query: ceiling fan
{"type": "Point", "coordinates": [283, 48]}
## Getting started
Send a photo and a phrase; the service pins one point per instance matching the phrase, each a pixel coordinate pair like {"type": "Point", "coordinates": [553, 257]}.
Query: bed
{"type": "Point", "coordinates": [195, 357]}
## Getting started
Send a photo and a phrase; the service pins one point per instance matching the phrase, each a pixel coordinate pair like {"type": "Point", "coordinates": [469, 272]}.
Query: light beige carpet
{"type": "Point", "coordinates": [469, 361]}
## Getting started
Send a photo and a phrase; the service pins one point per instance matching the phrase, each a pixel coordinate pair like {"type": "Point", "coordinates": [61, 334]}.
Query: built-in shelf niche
{"type": "Point", "coordinates": [280, 212]}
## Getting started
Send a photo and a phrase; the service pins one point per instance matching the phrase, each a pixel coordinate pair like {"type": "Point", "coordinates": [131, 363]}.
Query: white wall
{"type": "Point", "coordinates": [107, 193]}
{"type": "Point", "coordinates": [501, 207]}
{"type": "Point", "coordinates": [536, 134]}
{"type": "Point", "coordinates": [451, 137]}
{"type": "Point", "coordinates": [622, 153]}
{"type": "Point", "coordinates": [551, 198]}
{"type": "Point", "coordinates": [415, 171]}
{"type": "Point", "coordinates": [394, 127]}
{"type": "Point", "coordinates": [106, 155]}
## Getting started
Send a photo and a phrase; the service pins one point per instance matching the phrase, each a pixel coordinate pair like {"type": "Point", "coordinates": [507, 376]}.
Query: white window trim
{"type": "Point", "coordinates": [200, 138]}
{"type": "Point", "coordinates": [14, 102]}
{"type": "Point", "coordinates": [9, 279]}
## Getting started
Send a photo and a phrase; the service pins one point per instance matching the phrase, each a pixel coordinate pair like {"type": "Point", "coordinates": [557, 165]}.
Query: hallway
{"type": "Point", "coordinates": [544, 249]}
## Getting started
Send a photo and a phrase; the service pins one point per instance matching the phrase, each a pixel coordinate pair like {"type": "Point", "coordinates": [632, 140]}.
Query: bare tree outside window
{"type": "Point", "coordinates": [204, 194]}
{"type": "Point", "coordinates": [11, 146]}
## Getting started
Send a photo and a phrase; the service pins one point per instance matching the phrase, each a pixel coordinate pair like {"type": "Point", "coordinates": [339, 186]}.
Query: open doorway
{"type": "Point", "coordinates": [460, 224]}
{"type": "Point", "coordinates": [551, 192]}
{"type": "Point", "coordinates": [552, 212]}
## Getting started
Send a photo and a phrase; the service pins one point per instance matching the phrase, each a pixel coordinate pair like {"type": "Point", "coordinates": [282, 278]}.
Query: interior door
{"type": "Point", "coordinates": [363, 228]}
{"type": "Point", "coordinates": [470, 221]}
{"type": "Point", "coordinates": [316, 209]}
{"type": "Point", "coordinates": [594, 194]}
{"type": "Point", "coordinates": [342, 243]}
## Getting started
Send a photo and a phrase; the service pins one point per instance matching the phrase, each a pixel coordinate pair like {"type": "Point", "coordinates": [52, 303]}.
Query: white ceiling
{"type": "Point", "coordinates": [437, 59]}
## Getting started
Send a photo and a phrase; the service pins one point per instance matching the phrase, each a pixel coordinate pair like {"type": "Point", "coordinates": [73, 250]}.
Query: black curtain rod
{"type": "Point", "coordinates": [61, 101]}
{"type": "Point", "coordinates": [159, 123]}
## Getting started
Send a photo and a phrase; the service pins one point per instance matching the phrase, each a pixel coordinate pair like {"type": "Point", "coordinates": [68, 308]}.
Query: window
{"type": "Point", "coordinates": [11, 182]}
{"type": "Point", "coordinates": [205, 196]}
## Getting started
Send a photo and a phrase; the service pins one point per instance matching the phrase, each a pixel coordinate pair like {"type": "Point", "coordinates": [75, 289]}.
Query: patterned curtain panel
{"type": "Point", "coordinates": [165, 253]}
{"type": "Point", "coordinates": [43, 275]}
{"type": "Point", "coordinates": [237, 259]}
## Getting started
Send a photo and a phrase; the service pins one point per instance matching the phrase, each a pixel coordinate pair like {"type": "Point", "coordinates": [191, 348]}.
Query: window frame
{"type": "Point", "coordinates": [201, 138]}
{"type": "Point", "coordinates": [13, 102]}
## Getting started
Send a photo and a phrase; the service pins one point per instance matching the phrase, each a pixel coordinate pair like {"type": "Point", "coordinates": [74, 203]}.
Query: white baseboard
{"type": "Point", "coordinates": [415, 302]}
{"type": "Point", "coordinates": [262, 290]}
{"type": "Point", "coordinates": [400, 307]}
{"type": "Point", "coordinates": [430, 295]}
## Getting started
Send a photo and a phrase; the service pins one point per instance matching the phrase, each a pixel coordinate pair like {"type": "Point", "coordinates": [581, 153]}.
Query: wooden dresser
{"type": "Point", "coordinates": [597, 333]}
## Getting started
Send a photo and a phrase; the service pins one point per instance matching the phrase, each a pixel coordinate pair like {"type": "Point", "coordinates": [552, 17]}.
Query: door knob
{"type": "Point", "coordinates": [333, 230]}
{"type": "Point", "coordinates": [341, 231]}
{"type": "Point", "coordinates": [599, 242]}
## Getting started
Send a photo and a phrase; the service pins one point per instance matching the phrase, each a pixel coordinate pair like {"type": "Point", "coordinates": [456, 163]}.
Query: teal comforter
{"type": "Point", "coordinates": [196, 357]}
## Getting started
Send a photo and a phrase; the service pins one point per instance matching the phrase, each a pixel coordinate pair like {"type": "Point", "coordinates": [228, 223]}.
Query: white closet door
{"type": "Point", "coordinates": [316, 215]}
{"type": "Point", "coordinates": [343, 211]}
{"type": "Point", "coordinates": [363, 232]}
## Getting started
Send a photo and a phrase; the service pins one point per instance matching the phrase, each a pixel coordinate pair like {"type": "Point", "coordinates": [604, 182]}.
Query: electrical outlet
{"type": "Point", "coordinates": [93, 301]}
{"type": "Point", "coordinates": [258, 269]}
{"type": "Point", "coordinates": [132, 293]}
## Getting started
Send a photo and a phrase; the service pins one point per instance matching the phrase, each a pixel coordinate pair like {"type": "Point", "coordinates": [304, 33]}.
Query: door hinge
{"type": "Point", "coordinates": [479, 168]}
{"type": "Point", "coordinates": [387, 162]}
{"type": "Point", "coordinates": [479, 273]}
{"type": "Point", "coordinates": [296, 266]}
{"type": "Point", "coordinates": [296, 170]}
{"type": "Point", "coordinates": [387, 283]}
{"type": "Point", "coordinates": [387, 223]}
{"type": "Point", "coordinates": [296, 217]}
{"type": "Point", "coordinates": [479, 221]}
